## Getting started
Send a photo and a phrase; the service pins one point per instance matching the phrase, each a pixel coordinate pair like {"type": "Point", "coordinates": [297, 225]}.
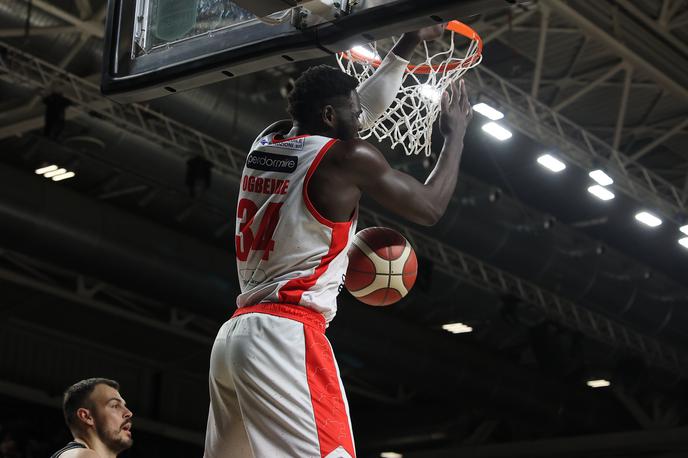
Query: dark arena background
{"type": "Point", "coordinates": [545, 320]}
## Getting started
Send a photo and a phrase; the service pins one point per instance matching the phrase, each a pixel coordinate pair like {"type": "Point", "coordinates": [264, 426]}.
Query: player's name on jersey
{"type": "Point", "coordinates": [264, 185]}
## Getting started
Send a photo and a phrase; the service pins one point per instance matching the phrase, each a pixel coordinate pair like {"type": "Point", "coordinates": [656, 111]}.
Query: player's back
{"type": "Point", "coordinates": [286, 251]}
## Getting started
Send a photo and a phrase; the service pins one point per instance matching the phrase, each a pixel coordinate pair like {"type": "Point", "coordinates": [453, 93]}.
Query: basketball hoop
{"type": "Point", "coordinates": [408, 121]}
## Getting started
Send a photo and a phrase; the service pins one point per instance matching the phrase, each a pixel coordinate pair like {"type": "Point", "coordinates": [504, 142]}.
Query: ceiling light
{"type": "Point", "coordinates": [487, 111]}
{"type": "Point", "coordinates": [54, 173]}
{"type": "Point", "coordinates": [601, 383]}
{"type": "Point", "coordinates": [47, 169]}
{"type": "Point", "coordinates": [551, 162]}
{"type": "Point", "coordinates": [684, 242]}
{"type": "Point", "coordinates": [648, 218]}
{"type": "Point", "coordinates": [497, 131]}
{"type": "Point", "coordinates": [391, 455]}
{"type": "Point", "coordinates": [365, 52]}
{"type": "Point", "coordinates": [684, 229]}
{"type": "Point", "coordinates": [431, 93]}
{"type": "Point", "coordinates": [601, 177]}
{"type": "Point", "coordinates": [457, 328]}
{"type": "Point", "coordinates": [600, 192]}
{"type": "Point", "coordinates": [64, 176]}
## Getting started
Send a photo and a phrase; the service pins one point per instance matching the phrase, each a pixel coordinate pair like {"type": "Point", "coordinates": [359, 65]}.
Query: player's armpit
{"type": "Point", "coordinates": [396, 191]}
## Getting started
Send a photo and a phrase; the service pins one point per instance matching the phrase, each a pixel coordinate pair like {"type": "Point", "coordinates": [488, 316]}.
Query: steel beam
{"type": "Point", "coordinates": [658, 26]}
{"type": "Point", "coordinates": [456, 264]}
{"type": "Point", "coordinates": [619, 48]}
{"type": "Point", "coordinates": [228, 160]}
{"type": "Point", "coordinates": [37, 31]}
{"type": "Point", "coordinates": [680, 21]}
{"type": "Point", "coordinates": [508, 26]}
{"type": "Point", "coordinates": [85, 8]}
{"type": "Point", "coordinates": [643, 151]}
{"type": "Point", "coordinates": [123, 192]}
{"type": "Point", "coordinates": [91, 28]}
{"type": "Point", "coordinates": [588, 87]}
{"type": "Point", "coordinates": [544, 23]}
{"type": "Point", "coordinates": [621, 117]}
{"type": "Point", "coordinates": [40, 276]}
{"type": "Point", "coordinates": [542, 123]}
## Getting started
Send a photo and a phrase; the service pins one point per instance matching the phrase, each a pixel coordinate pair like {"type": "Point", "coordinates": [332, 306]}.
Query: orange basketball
{"type": "Point", "coordinates": [382, 266]}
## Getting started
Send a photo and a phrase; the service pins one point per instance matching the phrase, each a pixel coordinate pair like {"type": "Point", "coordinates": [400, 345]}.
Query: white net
{"type": "Point", "coordinates": [408, 121]}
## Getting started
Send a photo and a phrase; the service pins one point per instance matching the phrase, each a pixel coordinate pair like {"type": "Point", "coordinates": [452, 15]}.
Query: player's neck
{"type": "Point", "coordinates": [303, 129]}
{"type": "Point", "coordinates": [92, 442]}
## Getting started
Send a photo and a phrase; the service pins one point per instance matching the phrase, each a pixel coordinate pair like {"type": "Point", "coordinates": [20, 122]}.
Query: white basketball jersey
{"type": "Point", "coordinates": [286, 251]}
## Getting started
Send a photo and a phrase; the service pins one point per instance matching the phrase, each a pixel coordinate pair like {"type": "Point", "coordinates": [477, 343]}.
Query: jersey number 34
{"type": "Point", "coordinates": [246, 240]}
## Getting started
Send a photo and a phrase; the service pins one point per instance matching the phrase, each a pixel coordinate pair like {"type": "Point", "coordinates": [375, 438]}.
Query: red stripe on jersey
{"type": "Point", "coordinates": [292, 291]}
{"type": "Point", "coordinates": [280, 140]}
{"type": "Point", "coordinates": [329, 408]}
{"type": "Point", "coordinates": [309, 174]}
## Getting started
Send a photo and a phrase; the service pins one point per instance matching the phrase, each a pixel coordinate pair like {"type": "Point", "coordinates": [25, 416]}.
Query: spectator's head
{"type": "Point", "coordinates": [94, 407]}
{"type": "Point", "coordinates": [12, 442]}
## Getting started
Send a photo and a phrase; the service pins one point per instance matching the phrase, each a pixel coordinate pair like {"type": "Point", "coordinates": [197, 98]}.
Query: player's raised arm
{"type": "Point", "coordinates": [378, 91]}
{"type": "Point", "coordinates": [422, 203]}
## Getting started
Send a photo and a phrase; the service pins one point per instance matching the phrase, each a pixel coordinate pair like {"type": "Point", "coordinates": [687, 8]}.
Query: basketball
{"type": "Point", "coordinates": [382, 266]}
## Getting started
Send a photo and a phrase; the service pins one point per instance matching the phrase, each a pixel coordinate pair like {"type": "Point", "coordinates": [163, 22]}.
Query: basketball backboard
{"type": "Point", "coordinates": [157, 47]}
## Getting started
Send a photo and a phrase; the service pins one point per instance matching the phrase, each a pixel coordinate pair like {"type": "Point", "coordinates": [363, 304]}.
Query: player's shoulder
{"type": "Point", "coordinates": [80, 453]}
{"type": "Point", "coordinates": [354, 148]}
{"type": "Point", "coordinates": [358, 157]}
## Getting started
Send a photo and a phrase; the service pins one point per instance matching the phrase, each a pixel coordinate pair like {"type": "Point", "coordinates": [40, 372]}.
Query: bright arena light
{"type": "Point", "coordinates": [600, 192]}
{"type": "Point", "coordinates": [365, 52]}
{"type": "Point", "coordinates": [391, 455]}
{"type": "Point", "coordinates": [683, 242]}
{"type": "Point", "coordinates": [551, 162]}
{"type": "Point", "coordinates": [55, 173]}
{"type": "Point", "coordinates": [487, 111]}
{"type": "Point", "coordinates": [42, 170]}
{"type": "Point", "coordinates": [684, 229]}
{"type": "Point", "coordinates": [602, 178]}
{"type": "Point", "coordinates": [64, 176]}
{"type": "Point", "coordinates": [648, 218]}
{"type": "Point", "coordinates": [457, 328]}
{"type": "Point", "coordinates": [601, 383]}
{"type": "Point", "coordinates": [431, 93]}
{"type": "Point", "coordinates": [497, 131]}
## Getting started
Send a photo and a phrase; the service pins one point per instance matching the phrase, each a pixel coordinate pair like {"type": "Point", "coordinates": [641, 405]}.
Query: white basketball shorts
{"type": "Point", "coordinates": [275, 389]}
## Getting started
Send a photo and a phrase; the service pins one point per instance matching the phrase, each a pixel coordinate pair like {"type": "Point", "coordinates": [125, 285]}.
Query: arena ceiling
{"type": "Point", "coordinates": [121, 272]}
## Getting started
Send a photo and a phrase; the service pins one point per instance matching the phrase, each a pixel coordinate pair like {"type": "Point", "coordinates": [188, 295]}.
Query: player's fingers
{"type": "Point", "coordinates": [465, 102]}
{"type": "Point", "coordinates": [464, 93]}
{"type": "Point", "coordinates": [445, 100]}
{"type": "Point", "coordinates": [455, 93]}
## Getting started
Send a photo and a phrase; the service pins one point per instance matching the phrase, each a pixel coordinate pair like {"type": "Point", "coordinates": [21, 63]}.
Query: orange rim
{"type": "Point", "coordinates": [453, 26]}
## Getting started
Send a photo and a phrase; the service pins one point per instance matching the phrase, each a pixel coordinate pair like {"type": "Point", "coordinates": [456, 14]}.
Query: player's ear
{"type": "Point", "coordinates": [84, 415]}
{"type": "Point", "coordinates": [328, 115]}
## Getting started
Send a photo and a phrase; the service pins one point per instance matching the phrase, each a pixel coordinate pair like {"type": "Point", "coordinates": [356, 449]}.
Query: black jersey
{"type": "Point", "coordinates": [70, 446]}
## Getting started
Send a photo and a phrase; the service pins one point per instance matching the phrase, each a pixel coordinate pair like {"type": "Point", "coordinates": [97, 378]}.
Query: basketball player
{"type": "Point", "coordinates": [275, 389]}
{"type": "Point", "coordinates": [98, 418]}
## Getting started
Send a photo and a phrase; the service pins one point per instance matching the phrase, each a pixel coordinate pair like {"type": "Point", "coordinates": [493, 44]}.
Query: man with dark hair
{"type": "Point", "coordinates": [98, 418]}
{"type": "Point", "coordinates": [275, 389]}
